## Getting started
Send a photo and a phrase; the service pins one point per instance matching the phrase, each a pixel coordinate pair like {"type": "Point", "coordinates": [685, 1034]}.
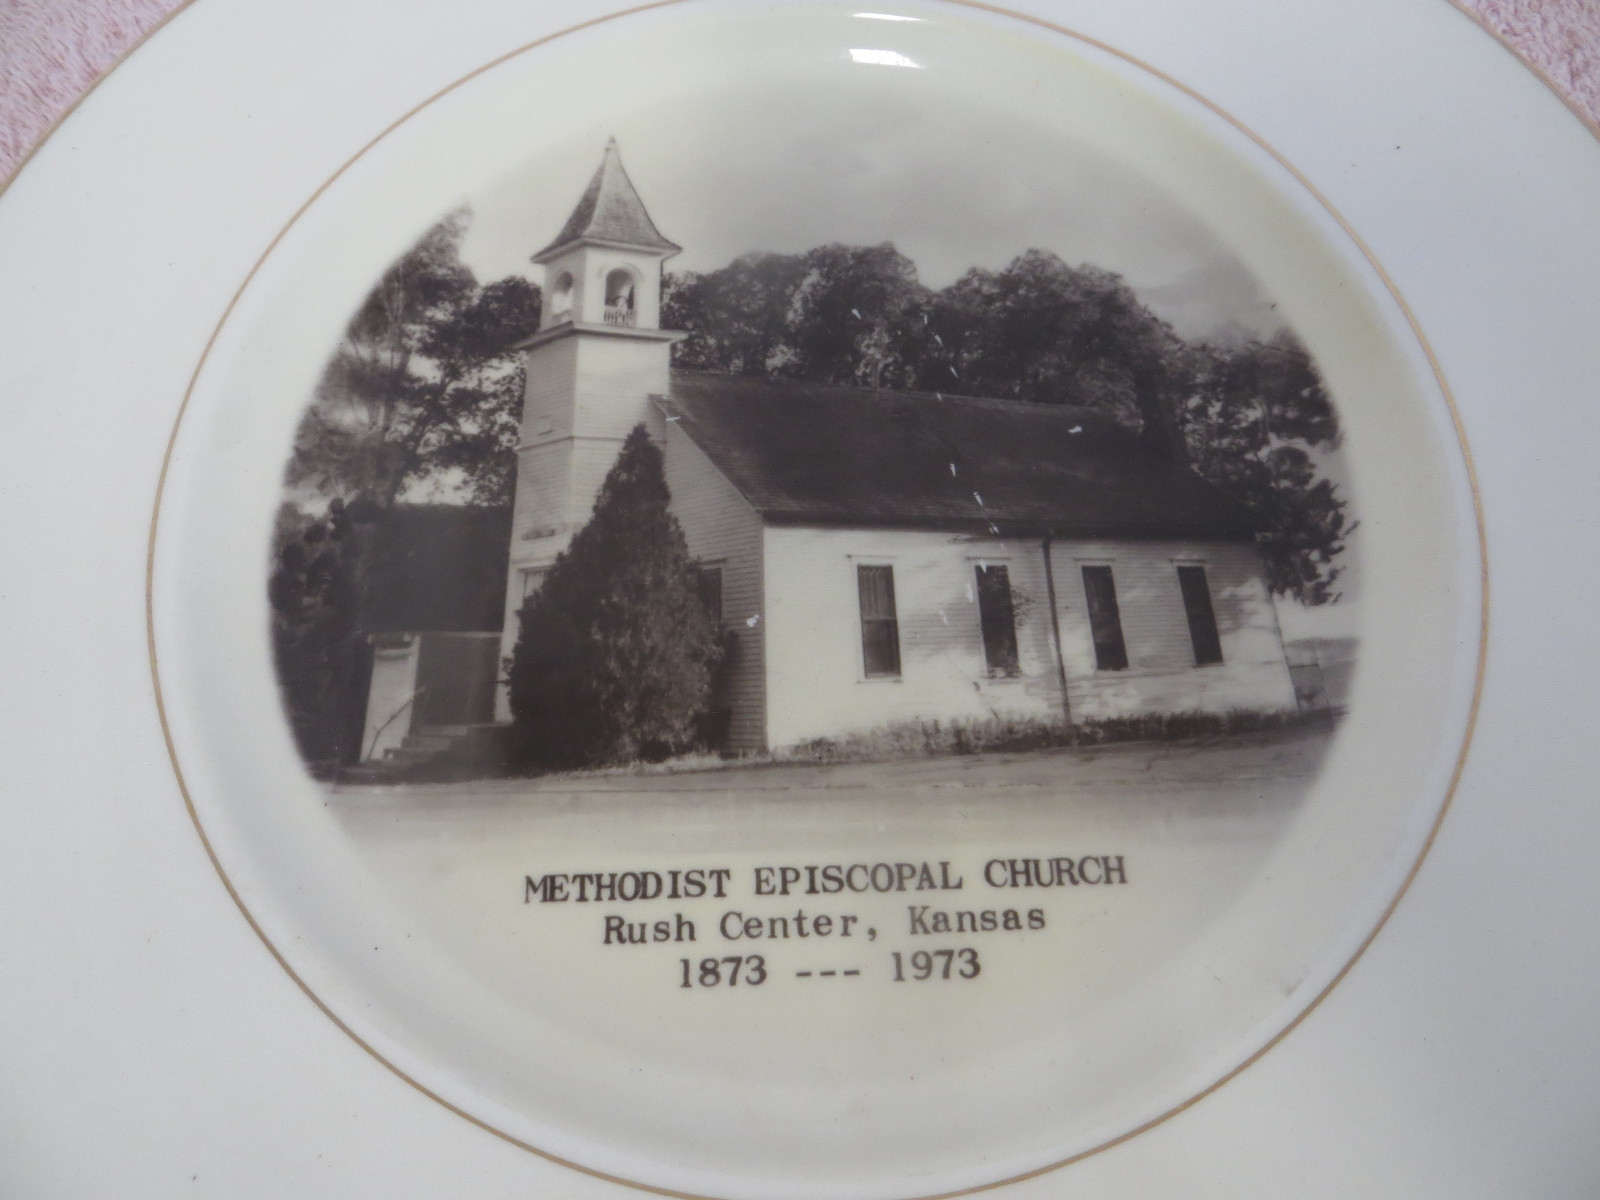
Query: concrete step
{"type": "Point", "coordinates": [439, 749]}
{"type": "Point", "coordinates": [431, 743]}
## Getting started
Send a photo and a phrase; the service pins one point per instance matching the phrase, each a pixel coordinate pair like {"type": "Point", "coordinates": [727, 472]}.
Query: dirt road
{"type": "Point", "coordinates": [1232, 783]}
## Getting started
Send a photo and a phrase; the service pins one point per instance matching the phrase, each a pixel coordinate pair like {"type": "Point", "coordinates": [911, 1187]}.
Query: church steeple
{"type": "Point", "coordinates": [610, 213]}
{"type": "Point", "coordinates": [599, 356]}
{"type": "Point", "coordinates": [604, 267]}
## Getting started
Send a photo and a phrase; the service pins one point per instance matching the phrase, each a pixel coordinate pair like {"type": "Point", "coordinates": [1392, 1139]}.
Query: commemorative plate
{"type": "Point", "coordinates": [815, 602]}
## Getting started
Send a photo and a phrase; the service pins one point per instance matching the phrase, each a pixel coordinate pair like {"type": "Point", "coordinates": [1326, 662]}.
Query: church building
{"type": "Point", "coordinates": [881, 556]}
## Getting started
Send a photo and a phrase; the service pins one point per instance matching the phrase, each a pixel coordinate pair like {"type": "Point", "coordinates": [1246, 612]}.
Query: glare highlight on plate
{"type": "Point", "coordinates": [883, 58]}
{"type": "Point", "coordinates": [883, 17]}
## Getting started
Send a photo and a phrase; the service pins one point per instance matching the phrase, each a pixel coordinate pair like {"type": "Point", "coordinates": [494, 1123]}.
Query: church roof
{"type": "Point", "coordinates": [807, 453]}
{"type": "Point", "coordinates": [609, 211]}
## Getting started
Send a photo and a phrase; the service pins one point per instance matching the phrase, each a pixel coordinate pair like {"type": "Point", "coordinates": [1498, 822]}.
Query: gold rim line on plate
{"type": "Point", "coordinates": [1256, 139]}
{"type": "Point", "coordinates": [49, 130]}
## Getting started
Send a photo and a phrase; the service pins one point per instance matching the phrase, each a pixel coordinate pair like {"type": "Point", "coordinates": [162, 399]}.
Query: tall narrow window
{"type": "Point", "coordinates": [708, 582]}
{"type": "Point", "coordinates": [998, 618]}
{"type": "Point", "coordinates": [880, 630]}
{"type": "Point", "coordinates": [1202, 618]}
{"type": "Point", "coordinates": [1105, 621]}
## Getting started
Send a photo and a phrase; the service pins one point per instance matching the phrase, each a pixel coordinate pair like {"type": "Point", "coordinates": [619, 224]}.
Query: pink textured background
{"type": "Point", "coordinates": [52, 51]}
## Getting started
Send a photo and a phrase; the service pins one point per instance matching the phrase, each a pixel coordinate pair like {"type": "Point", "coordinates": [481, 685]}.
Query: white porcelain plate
{"type": "Point", "coordinates": [825, 964]}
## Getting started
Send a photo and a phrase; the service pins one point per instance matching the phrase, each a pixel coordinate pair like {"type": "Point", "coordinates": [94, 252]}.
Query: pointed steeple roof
{"type": "Point", "coordinates": [610, 211]}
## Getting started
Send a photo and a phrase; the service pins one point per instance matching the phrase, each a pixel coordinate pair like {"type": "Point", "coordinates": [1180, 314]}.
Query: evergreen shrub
{"type": "Point", "coordinates": [616, 651]}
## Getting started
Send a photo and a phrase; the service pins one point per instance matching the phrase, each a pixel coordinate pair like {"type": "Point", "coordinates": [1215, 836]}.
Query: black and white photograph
{"type": "Point", "coordinates": [1015, 459]}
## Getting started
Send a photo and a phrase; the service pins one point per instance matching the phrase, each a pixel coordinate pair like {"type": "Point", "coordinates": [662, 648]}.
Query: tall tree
{"type": "Point", "coordinates": [850, 312]}
{"type": "Point", "coordinates": [426, 385]}
{"type": "Point", "coordinates": [1257, 420]}
{"type": "Point", "coordinates": [1044, 331]}
{"type": "Point", "coordinates": [837, 314]}
{"type": "Point", "coordinates": [615, 653]}
{"type": "Point", "coordinates": [737, 318]}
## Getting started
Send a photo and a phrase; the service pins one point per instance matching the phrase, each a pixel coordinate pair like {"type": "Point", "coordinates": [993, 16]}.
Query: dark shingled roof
{"type": "Point", "coordinates": [610, 211]}
{"type": "Point", "coordinates": [806, 453]}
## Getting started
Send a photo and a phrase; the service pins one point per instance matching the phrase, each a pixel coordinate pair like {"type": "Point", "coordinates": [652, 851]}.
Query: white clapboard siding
{"type": "Point", "coordinates": [550, 381]}
{"type": "Point", "coordinates": [1161, 675]}
{"type": "Point", "coordinates": [816, 681]}
{"type": "Point", "coordinates": [817, 686]}
{"type": "Point", "coordinates": [724, 531]}
{"type": "Point", "coordinates": [617, 375]}
{"type": "Point", "coordinates": [582, 399]}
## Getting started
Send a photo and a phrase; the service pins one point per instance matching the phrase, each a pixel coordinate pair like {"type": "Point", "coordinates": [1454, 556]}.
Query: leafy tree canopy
{"type": "Point", "coordinates": [616, 650]}
{"type": "Point", "coordinates": [1255, 418]}
{"type": "Point", "coordinates": [424, 388]}
{"type": "Point", "coordinates": [1251, 416]}
{"type": "Point", "coordinates": [426, 385]}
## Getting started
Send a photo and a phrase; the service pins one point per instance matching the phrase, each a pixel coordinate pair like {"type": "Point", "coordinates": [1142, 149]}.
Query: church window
{"type": "Point", "coordinates": [532, 580]}
{"type": "Point", "coordinates": [880, 629]}
{"type": "Point", "coordinates": [1202, 617]}
{"type": "Point", "coordinates": [708, 583]}
{"type": "Point", "coordinates": [998, 618]}
{"type": "Point", "coordinates": [1105, 620]}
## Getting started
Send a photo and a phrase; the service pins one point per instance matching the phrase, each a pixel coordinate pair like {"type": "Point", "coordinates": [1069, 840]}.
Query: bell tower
{"type": "Point", "coordinates": [599, 355]}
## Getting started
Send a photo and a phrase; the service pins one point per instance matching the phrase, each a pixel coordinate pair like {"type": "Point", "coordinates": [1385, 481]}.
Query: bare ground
{"type": "Point", "coordinates": [1230, 786]}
